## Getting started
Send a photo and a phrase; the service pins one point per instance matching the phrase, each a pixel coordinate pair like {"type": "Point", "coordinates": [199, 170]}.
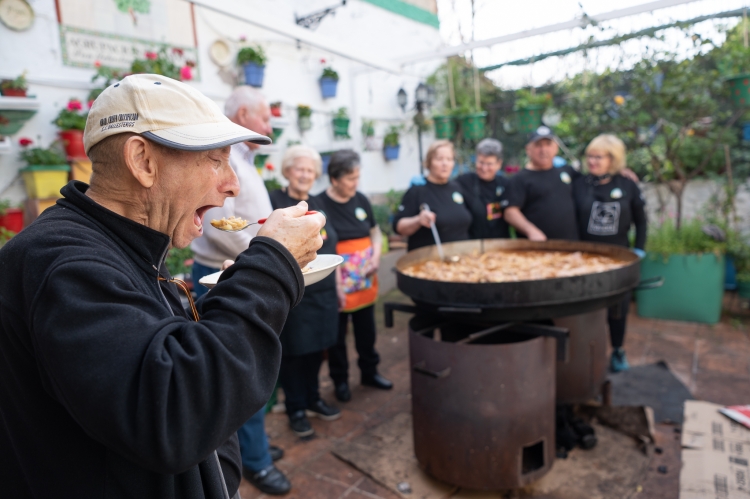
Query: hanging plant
{"type": "Point", "coordinates": [329, 82]}
{"type": "Point", "coordinates": [391, 143]}
{"type": "Point", "coordinates": [303, 117]}
{"type": "Point", "coordinates": [341, 124]}
{"type": "Point", "coordinates": [529, 108]}
{"type": "Point", "coordinates": [253, 61]}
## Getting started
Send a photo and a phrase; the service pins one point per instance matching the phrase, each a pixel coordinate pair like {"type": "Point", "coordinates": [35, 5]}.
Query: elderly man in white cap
{"type": "Point", "coordinates": [246, 107]}
{"type": "Point", "coordinates": [108, 386]}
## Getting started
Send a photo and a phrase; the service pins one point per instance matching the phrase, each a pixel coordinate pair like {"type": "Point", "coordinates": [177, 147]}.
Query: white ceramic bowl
{"type": "Point", "coordinates": [319, 269]}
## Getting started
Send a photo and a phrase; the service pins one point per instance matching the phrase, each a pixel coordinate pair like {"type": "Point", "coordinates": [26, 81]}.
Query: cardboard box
{"type": "Point", "coordinates": [715, 454]}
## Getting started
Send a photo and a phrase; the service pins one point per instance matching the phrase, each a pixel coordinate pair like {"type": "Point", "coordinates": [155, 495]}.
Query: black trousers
{"type": "Point", "coordinates": [298, 378]}
{"type": "Point", "coordinates": [363, 321]}
{"type": "Point", "coordinates": [617, 316]}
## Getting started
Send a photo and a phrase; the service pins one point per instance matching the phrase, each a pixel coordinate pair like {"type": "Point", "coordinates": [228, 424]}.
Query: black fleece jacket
{"type": "Point", "coordinates": [107, 388]}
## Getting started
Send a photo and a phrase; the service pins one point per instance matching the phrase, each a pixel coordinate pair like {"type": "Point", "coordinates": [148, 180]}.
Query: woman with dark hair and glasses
{"type": "Point", "coordinates": [607, 205]}
{"type": "Point", "coordinates": [350, 214]}
{"type": "Point", "coordinates": [484, 190]}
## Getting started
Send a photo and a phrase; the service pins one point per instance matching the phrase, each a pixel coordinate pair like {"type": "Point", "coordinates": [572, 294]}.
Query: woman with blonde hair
{"type": "Point", "coordinates": [312, 326]}
{"type": "Point", "coordinates": [439, 200]}
{"type": "Point", "coordinates": [607, 205]}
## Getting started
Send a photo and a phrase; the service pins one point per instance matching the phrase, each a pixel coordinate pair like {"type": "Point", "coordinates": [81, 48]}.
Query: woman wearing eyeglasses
{"type": "Point", "coordinates": [607, 205]}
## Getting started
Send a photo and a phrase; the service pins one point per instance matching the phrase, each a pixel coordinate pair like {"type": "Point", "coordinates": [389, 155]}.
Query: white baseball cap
{"type": "Point", "coordinates": [166, 111]}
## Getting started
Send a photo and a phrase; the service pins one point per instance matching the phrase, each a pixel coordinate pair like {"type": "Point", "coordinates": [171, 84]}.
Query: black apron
{"type": "Point", "coordinates": [312, 326]}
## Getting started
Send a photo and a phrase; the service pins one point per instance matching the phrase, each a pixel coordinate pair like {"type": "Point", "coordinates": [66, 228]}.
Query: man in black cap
{"type": "Point", "coordinates": [539, 198]}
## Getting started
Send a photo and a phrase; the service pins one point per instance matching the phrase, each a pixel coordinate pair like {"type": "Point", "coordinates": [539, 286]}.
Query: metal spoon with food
{"type": "Point", "coordinates": [236, 224]}
{"type": "Point", "coordinates": [436, 236]}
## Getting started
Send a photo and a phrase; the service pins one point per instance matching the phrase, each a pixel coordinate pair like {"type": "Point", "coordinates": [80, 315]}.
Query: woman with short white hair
{"type": "Point", "coordinates": [607, 205]}
{"type": "Point", "coordinates": [312, 326]}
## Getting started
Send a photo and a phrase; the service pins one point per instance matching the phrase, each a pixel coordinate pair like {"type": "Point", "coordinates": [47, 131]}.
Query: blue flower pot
{"type": "Point", "coordinates": [391, 152]}
{"type": "Point", "coordinates": [328, 87]}
{"type": "Point", "coordinates": [254, 74]}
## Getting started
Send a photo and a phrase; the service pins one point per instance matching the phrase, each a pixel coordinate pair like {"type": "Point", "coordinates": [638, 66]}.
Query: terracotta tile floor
{"type": "Point", "coordinates": [712, 361]}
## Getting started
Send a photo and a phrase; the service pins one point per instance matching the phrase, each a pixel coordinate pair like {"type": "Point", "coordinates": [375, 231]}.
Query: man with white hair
{"type": "Point", "coordinates": [109, 388]}
{"type": "Point", "coordinates": [246, 107]}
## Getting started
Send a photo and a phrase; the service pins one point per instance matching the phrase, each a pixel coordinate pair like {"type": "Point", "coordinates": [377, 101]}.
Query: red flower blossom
{"type": "Point", "coordinates": [97, 64]}
{"type": "Point", "coordinates": [91, 103]}
{"type": "Point", "coordinates": [269, 167]}
{"type": "Point", "coordinates": [74, 105]}
{"type": "Point", "coordinates": [176, 50]}
{"type": "Point", "coordinates": [322, 61]}
{"type": "Point", "coordinates": [186, 73]}
{"type": "Point", "coordinates": [151, 55]}
{"type": "Point", "coordinates": [24, 142]}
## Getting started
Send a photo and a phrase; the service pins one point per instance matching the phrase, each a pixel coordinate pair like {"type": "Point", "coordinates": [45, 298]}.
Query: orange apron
{"type": "Point", "coordinates": [361, 291]}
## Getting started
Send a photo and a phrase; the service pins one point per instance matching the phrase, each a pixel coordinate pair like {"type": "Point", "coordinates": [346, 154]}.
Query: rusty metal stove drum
{"type": "Point", "coordinates": [483, 400]}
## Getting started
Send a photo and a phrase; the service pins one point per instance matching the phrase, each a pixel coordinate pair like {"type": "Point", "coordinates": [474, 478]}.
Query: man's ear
{"type": "Point", "coordinates": [140, 160]}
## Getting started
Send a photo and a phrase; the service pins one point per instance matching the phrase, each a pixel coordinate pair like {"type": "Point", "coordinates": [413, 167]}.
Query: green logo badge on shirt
{"type": "Point", "coordinates": [616, 193]}
{"type": "Point", "coordinates": [565, 177]}
{"type": "Point", "coordinates": [499, 191]}
{"type": "Point", "coordinates": [458, 198]}
{"type": "Point", "coordinates": [360, 213]}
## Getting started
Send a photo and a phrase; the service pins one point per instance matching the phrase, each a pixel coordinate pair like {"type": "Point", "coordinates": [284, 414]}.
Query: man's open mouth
{"type": "Point", "coordinates": [198, 216]}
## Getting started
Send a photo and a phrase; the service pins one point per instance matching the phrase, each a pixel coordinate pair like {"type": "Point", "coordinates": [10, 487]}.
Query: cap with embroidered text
{"type": "Point", "coordinates": [166, 111]}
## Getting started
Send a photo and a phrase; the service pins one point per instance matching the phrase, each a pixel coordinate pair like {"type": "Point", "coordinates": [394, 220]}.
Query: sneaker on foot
{"type": "Point", "coordinates": [323, 411]}
{"type": "Point", "coordinates": [269, 480]}
{"type": "Point", "coordinates": [618, 362]}
{"type": "Point", "coordinates": [300, 424]}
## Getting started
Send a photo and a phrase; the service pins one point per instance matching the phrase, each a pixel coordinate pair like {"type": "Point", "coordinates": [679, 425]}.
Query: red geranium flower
{"type": "Point", "coordinates": [74, 105]}
{"type": "Point", "coordinates": [24, 142]}
{"type": "Point", "coordinates": [97, 64]}
{"type": "Point", "coordinates": [322, 61]}
{"type": "Point", "coordinates": [186, 73]}
{"type": "Point", "coordinates": [269, 167]}
{"type": "Point", "coordinates": [151, 55]}
{"type": "Point", "coordinates": [176, 50]}
{"type": "Point", "coordinates": [91, 103]}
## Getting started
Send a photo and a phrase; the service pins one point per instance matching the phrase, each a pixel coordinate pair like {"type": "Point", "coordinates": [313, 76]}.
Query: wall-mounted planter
{"type": "Point", "coordinates": [72, 140]}
{"type": "Point", "coordinates": [473, 125]}
{"type": "Point", "coordinates": [304, 123]}
{"type": "Point", "coordinates": [391, 152]}
{"type": "Point", "coordinates": [693, 287]}
{"type": "Point", "coordinates": [445, 127]}
{"type": "Point", "coordinates": [254, 74]}
{"type": "Point", "coordinates": [44, 181]}
{"type": "Point", "coordinates": [13, 92]}
{"type": "Point", "coordinates": [529, 118]}
{"type": "Point", "coordinates": [12, 220]}
{"type": "Point", "coordinates": [739, 89]}
{"type": "Point", "coordinates": [276, 133]}
{"type": "Point", "coordinates": [328, 87]}
{"type": "Point", "coordinates": [341, 128]}
{"type": "Point", "coordinates": [15, 112]}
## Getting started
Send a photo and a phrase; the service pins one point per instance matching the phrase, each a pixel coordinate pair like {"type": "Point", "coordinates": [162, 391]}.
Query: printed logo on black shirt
{"type": "Point", "coordinates": [458, 198]}
{"type": "Point", "coordinates": [499, 191]}
{"type": "Point", "coordinates": [605, 219]}
{"type": "Point", "coordinates": [616, 193]}
{"type": "Point", "coordinates": [565, 177]}
{"type": "Point", "coordinates": [360, 213]}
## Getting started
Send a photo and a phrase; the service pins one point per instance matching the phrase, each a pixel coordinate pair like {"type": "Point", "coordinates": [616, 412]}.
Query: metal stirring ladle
{"type": "Point", "coordinates": [426, 207]}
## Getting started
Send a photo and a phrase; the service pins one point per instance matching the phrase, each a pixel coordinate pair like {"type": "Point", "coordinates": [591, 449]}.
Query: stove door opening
{"type": "Point", "coordinates": [532, 457]}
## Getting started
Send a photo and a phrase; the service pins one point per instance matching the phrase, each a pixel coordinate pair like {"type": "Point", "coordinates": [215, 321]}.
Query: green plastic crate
{"type": "Point", "coordinates": [693, 287]}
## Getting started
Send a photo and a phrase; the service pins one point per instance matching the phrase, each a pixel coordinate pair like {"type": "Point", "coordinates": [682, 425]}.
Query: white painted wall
{"type": "Point", "coordinates": [291, 77]}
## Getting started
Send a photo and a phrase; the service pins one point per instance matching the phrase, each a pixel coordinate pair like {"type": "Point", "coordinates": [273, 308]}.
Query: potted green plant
{"type": "Point", "coordinates": [46, 172]}
{"type": "Point", "coordinates": [71, 120]}
{"type": "Point", "coordinates": [529, 107]}
{"type": "Point", "coordinates": [304, 120]}
{"type": "Point", "coordinates": [391, 145]}
{"type": "Point", "coordinates": [329, 82]}
{"type": "Point", "coordinates": [692, 265]}
{"type": "Point", "coordinates": [16, 87]}
{"type": "Point", "coordinates": [341, 124]}
{"type": "Point", "coordinates": [253, 61]}
{"type": "Point", "coordinates": [11, 217]}
{"type": "Point", "coordinates": [445, 126]}
{"type": "Point", "coordinates": [733, 62]}
{"type": "Point", "coordinates": [472, 123]}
